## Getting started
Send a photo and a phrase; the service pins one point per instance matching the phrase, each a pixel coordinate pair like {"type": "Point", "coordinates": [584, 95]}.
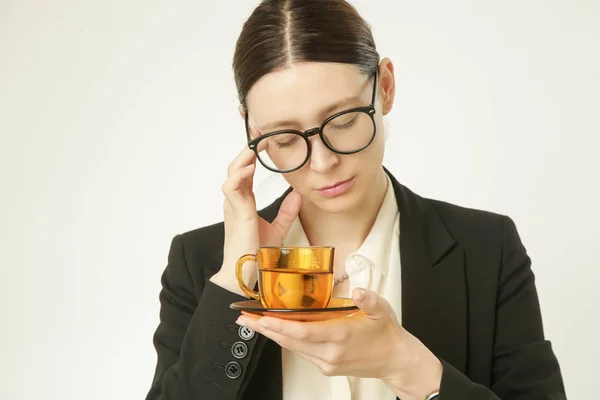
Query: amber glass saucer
{"type": "Point", "coordinates": [338, 307]}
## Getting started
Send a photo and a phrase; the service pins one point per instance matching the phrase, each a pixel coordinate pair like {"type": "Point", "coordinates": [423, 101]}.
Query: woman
{"type": "Point", "coordinates": [451, 309]}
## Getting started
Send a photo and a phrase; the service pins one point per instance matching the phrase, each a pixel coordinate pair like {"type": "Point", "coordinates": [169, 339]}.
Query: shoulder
{"type": "Point", "coordinates": [489, 244]}
{"type": "Point", "coordinates": [203, 246]}
{"type": "Point", "coordinates": [208, 237]}
{"type": "Point", "coordinates": [469, 226]}
{"type": "Point", "coordinates": [460, 219]}
{"type": "Point", "coordinates": [475, 229]}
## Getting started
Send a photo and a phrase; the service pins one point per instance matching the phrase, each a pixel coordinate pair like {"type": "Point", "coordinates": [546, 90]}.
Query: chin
{"type": "Point", "coordinates": [344, 203]}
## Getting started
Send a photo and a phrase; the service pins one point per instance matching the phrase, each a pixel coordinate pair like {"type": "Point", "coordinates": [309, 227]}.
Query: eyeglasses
{"type": "Point", "coordinates": [346, 132]}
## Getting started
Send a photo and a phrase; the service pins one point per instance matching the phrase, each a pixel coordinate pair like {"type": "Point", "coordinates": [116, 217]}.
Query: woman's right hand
{"type": "Point", "coordinates": [245, 230]}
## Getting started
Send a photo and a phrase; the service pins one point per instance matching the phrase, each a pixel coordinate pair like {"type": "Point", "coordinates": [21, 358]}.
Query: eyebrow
{"type": "Point", "coordinates": [325, 111]}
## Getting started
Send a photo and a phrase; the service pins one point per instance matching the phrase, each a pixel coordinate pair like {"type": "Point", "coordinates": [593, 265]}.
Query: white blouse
{"type": "Point", "coordinates": [375, 266]}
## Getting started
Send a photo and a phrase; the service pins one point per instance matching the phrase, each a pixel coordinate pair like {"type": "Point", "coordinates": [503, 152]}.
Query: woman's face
{"type": "Point", "coordinates": [301, 97]}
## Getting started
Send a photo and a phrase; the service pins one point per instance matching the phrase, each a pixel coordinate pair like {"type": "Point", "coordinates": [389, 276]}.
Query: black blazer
{"type": "Point", "coordinates": [468, 294]}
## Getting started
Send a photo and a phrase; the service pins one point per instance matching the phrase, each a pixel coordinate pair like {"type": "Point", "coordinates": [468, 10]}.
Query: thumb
{"type": "Point", "coordinates": [290, 207]}
{"type": "Point", "coordinates": [370, 302]}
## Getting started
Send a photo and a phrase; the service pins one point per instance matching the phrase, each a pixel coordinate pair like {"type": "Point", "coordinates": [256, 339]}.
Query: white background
{"type": "Point", "coordinates": [118, 119]}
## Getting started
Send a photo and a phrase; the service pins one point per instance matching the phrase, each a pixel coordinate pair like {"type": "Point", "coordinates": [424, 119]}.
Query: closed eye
{"type": "Point", "coordinates": [345, 125]}
{"type": "Point", "coordinates": [286, 142]}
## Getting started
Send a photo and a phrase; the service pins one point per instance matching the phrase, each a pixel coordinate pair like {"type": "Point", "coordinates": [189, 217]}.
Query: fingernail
{"type": "Point", "coordinates": [263, 323]}
{"type": "Point", "coordinates": [362, 295]}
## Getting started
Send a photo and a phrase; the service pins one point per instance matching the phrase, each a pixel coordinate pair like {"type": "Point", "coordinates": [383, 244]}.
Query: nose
{"type": "Point", "coordinates": [321, 158]}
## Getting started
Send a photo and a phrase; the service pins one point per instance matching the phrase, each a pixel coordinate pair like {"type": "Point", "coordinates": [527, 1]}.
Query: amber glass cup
{"type": "Point", "coordinates": [291, 277]}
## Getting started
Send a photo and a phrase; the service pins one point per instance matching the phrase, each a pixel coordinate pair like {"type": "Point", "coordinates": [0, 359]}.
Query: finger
{"type": "Point", "coordinates": [309, 348]}
{"type": "Point", "coordinates": [235, 182]}
{"type": "Point", "coordinates": [235, 189]}
{"type": "Point", "coordinates": [249, 322]}
{"type": "Point", "coordinates": [244, 158]}
{"type": "Point", "coordinates": [288, 211]}
{"type": "Point", "coordinates": [314, 332]}
{"type": "Point", "coordinates": [371, 303]}
{"type": "Point", "coordinates": [268, 240]}
{"type": "Point", "coordinates": [251, 315]}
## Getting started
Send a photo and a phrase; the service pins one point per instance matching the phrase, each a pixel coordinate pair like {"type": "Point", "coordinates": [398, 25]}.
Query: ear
{"type": "Point", "coordinates": [387, 85]}
{"type": "Point", "coordinates": [242, 113]}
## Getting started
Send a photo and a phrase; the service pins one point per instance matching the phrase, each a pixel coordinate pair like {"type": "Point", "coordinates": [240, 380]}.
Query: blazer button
{"type": "Point", "coordinates": [233, 370]}
{"type": "Point", "coordinates": [239, 350]}
{"type": "Point", "coordinates": [245, 333]}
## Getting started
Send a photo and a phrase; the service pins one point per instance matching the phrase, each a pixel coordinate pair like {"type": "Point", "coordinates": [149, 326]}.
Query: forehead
{"type": "Point", "coordinates": [302, 91]}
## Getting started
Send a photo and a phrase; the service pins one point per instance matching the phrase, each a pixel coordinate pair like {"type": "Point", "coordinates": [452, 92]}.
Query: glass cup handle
{"type": "Point", "coordinates": [240, 278]}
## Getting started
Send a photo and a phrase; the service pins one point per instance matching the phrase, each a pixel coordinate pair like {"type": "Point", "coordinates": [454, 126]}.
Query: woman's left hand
{"type": "Point", "coordinates": [370, 344]}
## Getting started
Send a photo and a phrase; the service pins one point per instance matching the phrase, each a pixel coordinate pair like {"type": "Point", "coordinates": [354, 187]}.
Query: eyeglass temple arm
{"type": "Point", "coordinates": [374, 87]}
{"type": "Point", "coordinates": [249, 119]}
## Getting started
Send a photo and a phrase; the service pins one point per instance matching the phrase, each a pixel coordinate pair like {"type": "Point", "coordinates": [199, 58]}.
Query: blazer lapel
{"type": "Point", "coordinates": [434, 298]}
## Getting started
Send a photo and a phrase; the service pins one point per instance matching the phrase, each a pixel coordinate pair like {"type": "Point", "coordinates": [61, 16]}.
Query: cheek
{"type": "Point", "coordinates": [298, 180]}
{"type": "Point", "coordinates": [372, 156]}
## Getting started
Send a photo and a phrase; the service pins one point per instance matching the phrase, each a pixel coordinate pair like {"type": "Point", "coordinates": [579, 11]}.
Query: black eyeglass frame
{"type": "Point", "coordinates": [369, 110]}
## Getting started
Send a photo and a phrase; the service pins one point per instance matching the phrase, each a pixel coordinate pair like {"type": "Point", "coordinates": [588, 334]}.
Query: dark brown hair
{"type": "Point", "coordinates": [281, 32]}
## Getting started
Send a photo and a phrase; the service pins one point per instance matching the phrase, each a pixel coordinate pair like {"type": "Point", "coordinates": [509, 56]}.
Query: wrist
{"type": "Point", "coordinates": [227, 280]}
{"type": "Point", "coordinates": [416, 372]}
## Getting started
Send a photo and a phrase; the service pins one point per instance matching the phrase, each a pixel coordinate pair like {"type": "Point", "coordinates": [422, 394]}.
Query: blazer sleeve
{"type": "Point", "coordinates": [195, 336]}
{"type": "Point", "coordinates": [524, 364]}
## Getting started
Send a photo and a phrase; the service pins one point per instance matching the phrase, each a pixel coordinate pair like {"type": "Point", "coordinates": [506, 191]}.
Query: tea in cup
{"type": "Point", "coordinates": [291, 277]}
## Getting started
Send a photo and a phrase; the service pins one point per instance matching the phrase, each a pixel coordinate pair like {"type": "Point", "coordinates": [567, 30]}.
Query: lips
{"type": "Point", "coordinates": [336, 189]}
{"type": "Point", "coordinates": [333, 186]}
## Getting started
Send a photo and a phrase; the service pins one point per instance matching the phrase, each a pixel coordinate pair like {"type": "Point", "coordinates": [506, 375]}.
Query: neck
{"type": "Point", "coordinates": [348, 229]}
